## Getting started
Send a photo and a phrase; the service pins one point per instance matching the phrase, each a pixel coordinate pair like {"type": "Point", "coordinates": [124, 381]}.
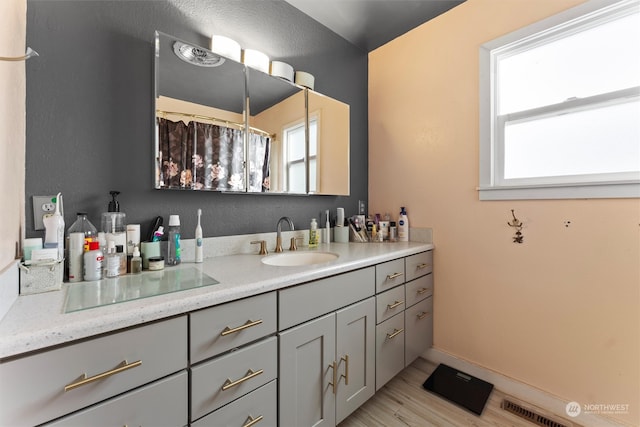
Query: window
{"type": "Point", "coordinates": [294, 154]}
{"type": "Point", "coordinates": [560, 107]}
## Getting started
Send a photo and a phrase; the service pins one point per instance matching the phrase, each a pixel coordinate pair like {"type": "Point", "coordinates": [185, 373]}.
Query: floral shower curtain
{"type": "Point", "coordinates": [214, 162]}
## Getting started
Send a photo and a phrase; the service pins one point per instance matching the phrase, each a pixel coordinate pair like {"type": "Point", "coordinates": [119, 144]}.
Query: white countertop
{"type": "Point", "coordinates": [35, 322]}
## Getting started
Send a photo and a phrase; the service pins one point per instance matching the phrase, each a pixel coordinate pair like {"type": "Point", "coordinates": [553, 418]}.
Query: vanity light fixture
{"type": "Point", "coordinates": [226, 47]}
{"type": "Point", "coordinates": [282, 70]}
{"type": "Point", "coordinates": [305, 79]}
{"type": "Point", "coordinates": [196, 55]}
{"type": "Point", "coordinates": [30, 53]}
{"type": "Point", "coordinates": [256, 59]}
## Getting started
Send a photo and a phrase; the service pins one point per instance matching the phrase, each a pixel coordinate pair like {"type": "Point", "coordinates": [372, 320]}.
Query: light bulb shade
{"type": "Point", "coordinates": [282, 70]}
{"type": "Point", "coordinates": [226, 47]}
{"type": "Point", "coordinates": [256, 59]}
{"type": "Point", "coordinates": [305, 79]}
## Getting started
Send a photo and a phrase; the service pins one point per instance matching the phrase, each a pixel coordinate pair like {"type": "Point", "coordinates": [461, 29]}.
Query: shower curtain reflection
{"type": "Point", "coordinates": [214, 162]}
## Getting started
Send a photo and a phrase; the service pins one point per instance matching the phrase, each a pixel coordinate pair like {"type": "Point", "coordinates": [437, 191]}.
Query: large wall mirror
{"type": "Point", "coordinates": [221, 126]}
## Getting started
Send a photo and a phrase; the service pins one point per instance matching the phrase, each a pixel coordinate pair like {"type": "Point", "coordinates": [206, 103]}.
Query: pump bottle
{"type": "Point", "coordinates": [403, 226]}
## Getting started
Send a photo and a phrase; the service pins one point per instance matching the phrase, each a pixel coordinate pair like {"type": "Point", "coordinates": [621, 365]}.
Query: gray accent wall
{"type": "Point", "coordinates": [90, 106]}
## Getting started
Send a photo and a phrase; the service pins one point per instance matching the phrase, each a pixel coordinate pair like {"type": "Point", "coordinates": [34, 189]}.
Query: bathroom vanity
{"type": "Point", "coordinates": [259, 345]}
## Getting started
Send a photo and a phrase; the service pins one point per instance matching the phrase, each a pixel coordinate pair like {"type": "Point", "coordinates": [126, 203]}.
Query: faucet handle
{"type": "Point", "coordinates": [263, 246]}
{"type": "Point", "coordinates": [294, 246]}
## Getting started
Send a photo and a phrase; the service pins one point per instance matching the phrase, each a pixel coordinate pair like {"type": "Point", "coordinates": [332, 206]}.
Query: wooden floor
{"type": "Point", "coordinates": [404, 402]}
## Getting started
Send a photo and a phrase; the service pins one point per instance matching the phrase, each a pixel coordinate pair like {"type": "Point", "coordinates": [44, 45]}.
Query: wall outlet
{"type": "Point", "coordinates": [43, 205]}
{"type": "Point", "coordinates": [362, 208]}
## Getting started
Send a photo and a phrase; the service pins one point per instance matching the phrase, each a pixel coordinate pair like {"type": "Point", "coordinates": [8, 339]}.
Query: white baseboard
{"type": "Point", "coordinates": [9, 279]}
{"type": "Point", "coordinates": [521, 391]}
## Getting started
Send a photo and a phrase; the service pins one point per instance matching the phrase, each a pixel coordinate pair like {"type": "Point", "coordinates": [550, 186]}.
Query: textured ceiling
{"type": "Point", "coordinates": [368, 24]}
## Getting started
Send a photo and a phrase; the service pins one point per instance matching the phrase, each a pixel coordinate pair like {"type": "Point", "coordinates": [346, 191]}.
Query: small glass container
{"type": "Point", "coordinates": [156, 263]}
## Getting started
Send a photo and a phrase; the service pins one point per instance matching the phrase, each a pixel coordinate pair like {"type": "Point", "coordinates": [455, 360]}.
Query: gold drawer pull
{"type": "Point", "coordinates": [395, 333]}
{"type": "Point", "coordinates": [346, 369]}
{"type": "Point", "coordinates": [394, 305]}
{"type": "Point", "coordinates": [228, 330]}
{"type": "Point", "coordinates": [421, 266]}
{"type": "Point", "coordinates": [422, 290]}
{"type": "Point", "coordinates": [334, 376]}
{"type": "Point", "coordinates": [250, 374]}
{"type": "Point", "coordinates": [423, 315]}
{"type": "Point", "coordinates": [252, 421]}
{"type": "Point", "coordinates": [394, 276]}
{"type": "Point", "coordinates": [123, 366]}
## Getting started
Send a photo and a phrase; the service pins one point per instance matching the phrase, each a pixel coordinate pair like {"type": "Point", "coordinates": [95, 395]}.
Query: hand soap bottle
{"type": "Point", "coordinates": [313, 233]}
{"type": "Point", "coordinates": [403, 226]}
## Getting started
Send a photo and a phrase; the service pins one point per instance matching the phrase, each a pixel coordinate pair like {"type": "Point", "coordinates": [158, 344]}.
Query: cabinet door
{"type": "Point", "coordinates": [139, 407]}
{"type": "Point", "coordinates": [355, 346]}
{"type": "Point", "coordinates": [389, 349]}
{"type": "Point", "coordinates": [418, 323]}
{"type": "Point", "coordinates": [307, 372]}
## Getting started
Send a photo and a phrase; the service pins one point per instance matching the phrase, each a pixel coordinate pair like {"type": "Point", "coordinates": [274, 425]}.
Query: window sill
{"type": "Point", "coordinates": [574, 191]}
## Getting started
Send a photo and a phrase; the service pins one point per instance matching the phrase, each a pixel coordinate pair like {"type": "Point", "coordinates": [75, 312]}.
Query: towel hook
{"type": "Point", "coordinates": [30, 53]}
{"type": "Point", "coordinates": [517, 224]}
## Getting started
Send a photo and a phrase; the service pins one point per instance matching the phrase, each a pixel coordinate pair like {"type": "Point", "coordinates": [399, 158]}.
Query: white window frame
{"type": "Point", "coordinates": [493, 186]}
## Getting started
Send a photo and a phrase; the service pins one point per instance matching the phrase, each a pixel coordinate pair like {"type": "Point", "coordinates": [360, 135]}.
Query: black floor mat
{"type": "Point", "coordinates": [462, 389]}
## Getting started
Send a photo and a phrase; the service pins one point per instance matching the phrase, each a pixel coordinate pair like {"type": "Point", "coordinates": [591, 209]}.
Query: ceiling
{"type": "Point", "coordinates": [368, 24]}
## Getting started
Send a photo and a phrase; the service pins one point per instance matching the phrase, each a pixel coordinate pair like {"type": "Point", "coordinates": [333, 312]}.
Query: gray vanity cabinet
{"type": "Point", "coordinates": [418, 317]}
{"type": "Point", "coordinates": [327, 364]}
{"type": "Point", "coordinates": [47, 385]}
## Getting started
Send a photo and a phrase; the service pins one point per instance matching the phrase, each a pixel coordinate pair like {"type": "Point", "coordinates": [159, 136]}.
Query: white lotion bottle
{"type": "Point", "coordinates": [403, 226]}
{"type": "Point", "coordinates": [54, 229]}
{"type": "Point", "coordinates": [199, 248]}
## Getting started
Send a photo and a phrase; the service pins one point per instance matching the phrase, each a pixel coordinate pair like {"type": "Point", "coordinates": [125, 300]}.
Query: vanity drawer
{"type": "Point", "coordinates": [419, 289]}
{"type": "Point", "coordinates": [389, 303]}
{"type": "Point", "coordinates": [33, 387]}
{"type": "Point", "coordinates": [310, 300]}
{"type": "Point", "coordinates": [218, 329]}
{"type": "Point", "coordinates": [389, 349]}
{"type": "Point", "coordinates": [260, 404]}
{"type": "Point", "coordinates": [419, 264]}
{"type": "Point", "coordinates": [389, 274]}
{"type": "Point", "coordinates": [418, 322]}
{"type": "Point", "coordinates": [139, 407]}
{"type": "Point", "coordinates": [239, 372]}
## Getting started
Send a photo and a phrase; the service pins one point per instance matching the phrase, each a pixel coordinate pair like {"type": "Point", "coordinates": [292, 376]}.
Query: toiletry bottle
{"type": "Point", "coordinates": [81, 226]}
{"type": "Point", "coordinates": [122, 259]}
{"type": "Point", "coordinates": [173, 255]}
{"type": "Point", "coordinates": [114, 205]}
{"type": "Point", "coordinates": [136, 261]}
{"type": "Point", "coordinates": [93, 260]}
{"type": "Point", "coordinates": [112, 268]}
{"type": "Point", "coordinates": [54, 229]}
{"type": "Point", "coordinates": [393, 231]}
{"type": "Point", "coordinates": [199, 248]}
{"type": "Point", "coordinates": [327, 229]}
{"type": "Point", "coordinates": [403, 226]}
{"type": "Point", "coordinates": [313, 233]}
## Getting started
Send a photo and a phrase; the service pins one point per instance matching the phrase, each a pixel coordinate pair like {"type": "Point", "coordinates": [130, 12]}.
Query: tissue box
{"type": "Point", "coordinates": [41, 277]}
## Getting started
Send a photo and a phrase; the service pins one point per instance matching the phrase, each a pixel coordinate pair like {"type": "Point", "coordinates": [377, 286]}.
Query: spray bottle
{"type": "Point", "coordinates": [54, 229]}
{"type": "Point", "coordinates": [199, 248]}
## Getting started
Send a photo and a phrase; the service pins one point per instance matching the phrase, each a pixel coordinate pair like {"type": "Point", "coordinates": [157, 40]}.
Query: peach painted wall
{"type": "Point", "coordinates": [560, 311]}
{"type": "Point", "coordinates": [13, 23]}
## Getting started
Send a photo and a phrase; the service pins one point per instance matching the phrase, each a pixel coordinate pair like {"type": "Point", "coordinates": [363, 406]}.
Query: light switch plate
{"type": "Point", "coordinates": [362, 208]}
{"type": "Point", "coordinates": [43, 205]}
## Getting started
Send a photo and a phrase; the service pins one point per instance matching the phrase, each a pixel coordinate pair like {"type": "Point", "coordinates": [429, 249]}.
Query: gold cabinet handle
{"type": "Point", "coordinates": [250, 374]}
{"type": "Point", "coordinates": [422, 290]}
{"type": "Point", "coordinates": [346, 369]}
{"type": "Point", "coordinates": [395, 333]}
{"type": "Point", "coordinates": [394, 305]}
{"type": "Point", "coordinates": [250, 421]}
{"type": "Point", "coordinates": [394, 276]}
{"type": "Point", "coordinates": [334, 376]}
{"type": "Point", "coordinates": [423, 315]}
{"type": "Point", "coordinates": [84, 380]}
{"type": "Point", "coordinates": [421, 266]}
{"type": "Point", "coordinates": [228, 330]}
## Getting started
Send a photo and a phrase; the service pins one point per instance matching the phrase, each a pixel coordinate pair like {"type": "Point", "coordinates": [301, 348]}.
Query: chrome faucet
{"type": "Point", "coordinates": [279, 230]}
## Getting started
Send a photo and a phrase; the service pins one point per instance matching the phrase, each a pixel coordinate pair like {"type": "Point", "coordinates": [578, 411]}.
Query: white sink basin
{"type": "Point", "coordinates": [294, 259]}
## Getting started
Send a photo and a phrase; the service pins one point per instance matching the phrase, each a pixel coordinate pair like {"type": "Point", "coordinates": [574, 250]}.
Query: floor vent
{"type": "Point", "coordinates": [533, 416]}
